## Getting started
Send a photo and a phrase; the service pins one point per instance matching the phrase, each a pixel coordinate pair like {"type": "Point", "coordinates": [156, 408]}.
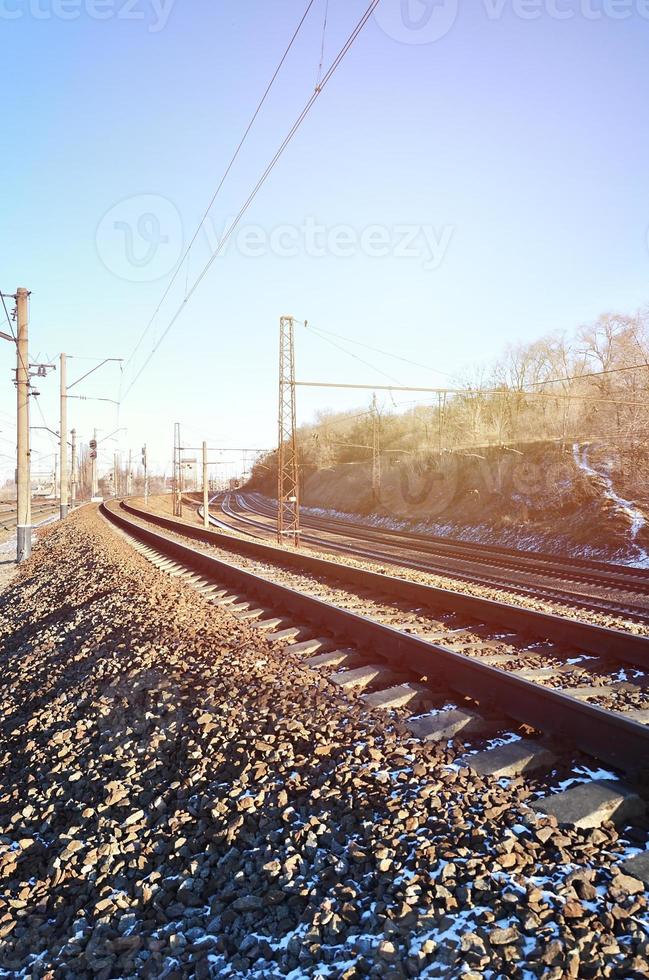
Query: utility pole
{"type": "Point", "coordinates": [376, 451]}
{"type": "Point", "coordinates": [73, 468]}
{"type": "Point", "coordinates": [177, 480]}
{"type": "Point", "coordinates": [56, 457]}
{"type": "Point", "coordinates": [115, 475]}
{"type": "Point", "coordinates": [146, 476]}
{"type": "Point", "coordinates": [23, 474]}
{"type": "Point", "coordinates": [129, 475]}
{"type": "Point", "coordinates": [93, 466]}
{"type": "Point", "coordinates": [288, 500]}
{"type": "Point", "coordinates": [63, 436]}
{"type": "Point", "coordinates": [206, 489]}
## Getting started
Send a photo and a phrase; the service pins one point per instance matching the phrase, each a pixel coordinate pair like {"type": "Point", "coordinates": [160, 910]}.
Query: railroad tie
{"type": "Point", "coordinates": [211, 589]}
{"type": "Point", "coordinates": [241, 606]}
{"type": "Point", "coordinates": [216, 594]}
{"type": "Point", "coordinates": [398, 696]}
{"type": "Point", "coordinates": [439, 726]}
{"type": "Point", "coordinates": [177, 571]}
{"type": "Point", "coordinates": [336, 658]}
{"type": "Point", "coordinates": [638, 867]}
{"type": "Point", "coordinates": [290, 633]}
{"type": "Point", "coordinates": [249, 614]}
{"type": "Point", "coordinates": [542, 673]}
{"type": "Point", "coordinates": [641, 715]}
{"type": "Point", "coordinates": [226, 600]}
{"type": "Point", "coordinates": [511, 759]}
{"type": "Point", "coordinates": [306, 646]}
{"type": "Point", "coordinates": [267, 625]}
{"type": "Point", "coordinates": [591, 804]}
{"type": "Point", "coordinates": [362, 676]}
{"type": "Point", "coordinates": [586, 691]}
{"type": "Point", "coordinates": [494, 659]}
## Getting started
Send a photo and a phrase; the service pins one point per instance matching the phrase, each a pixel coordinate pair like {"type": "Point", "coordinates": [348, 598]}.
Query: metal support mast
{"type": "Point", "coordinates": [376, 452]}
{"type": "Point", "coordinates": [23, 474]}
{"type": "Point", "coordinates": [63, 438]}
{"type": "Point", "coordinates": [206, 490]}
{"type": "Point", "coordinates": [288, 498]}
{"type": "Point", "coordinates": [73, 469]}
{"type": "Point", "coordinates": [93, 467]}
{"type": "Point", "coordinates": [146, 475]}
{"type": "Point", "coordinates": [177, 488]}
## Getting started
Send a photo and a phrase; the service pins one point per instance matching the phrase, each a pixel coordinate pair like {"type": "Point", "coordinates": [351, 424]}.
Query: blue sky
{"type": "Point", "coordinates": [504, 149]}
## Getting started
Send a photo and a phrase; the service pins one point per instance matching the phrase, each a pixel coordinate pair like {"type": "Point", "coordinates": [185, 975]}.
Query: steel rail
{"type": "Point", "coordinates": [549, 593]}
{"type": "Point", "coordinates": [598, 640]}
{"type": "Point", "coordinates": [609, 574]}
{"type": "Point", "coordinates": [608, 736]}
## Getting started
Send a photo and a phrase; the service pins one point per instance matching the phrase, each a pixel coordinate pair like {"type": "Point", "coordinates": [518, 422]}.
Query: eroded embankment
{"type": "Point", "coordinates": [180, 798]}
{"type": "Point", "coordinates": [570, 499]}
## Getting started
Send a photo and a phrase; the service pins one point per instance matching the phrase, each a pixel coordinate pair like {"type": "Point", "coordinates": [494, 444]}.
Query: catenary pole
{"type": "Point", "coordinates": [206, 500]}
{"type": "Point", "coordinates": [93, 468]}
{"type": "Point", "coordinates": [73, 469]}
{"type": "Point", "coordinates": [63, 438]}
{"type": "Point", "coordinates": [23, 474]}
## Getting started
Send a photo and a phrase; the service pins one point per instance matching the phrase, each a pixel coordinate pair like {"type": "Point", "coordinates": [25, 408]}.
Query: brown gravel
{"type": "Point", "coordinates": [178, 798]}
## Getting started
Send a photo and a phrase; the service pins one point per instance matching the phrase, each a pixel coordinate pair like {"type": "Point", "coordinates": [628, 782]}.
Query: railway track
{"type": "Point", "coordinates": [8, 516]}
{"type": "Point", "coordinates": [596, 587]}
{"type": "Point", "coordinates": [458, 676]}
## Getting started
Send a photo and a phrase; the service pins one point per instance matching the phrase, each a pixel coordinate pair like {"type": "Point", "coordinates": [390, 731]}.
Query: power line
{"type": "Point", "coordinates": [390, 377]}
{"type": "Point", "coordinates": [378, 350]}
{"type": "Point", "coordinates": [222, 182]}
{"type": "Point", "coordinates": [592, 374]}
{"type": "Point", "coordinates": [322, 47]}
{"type": "Point", "coordinates": [262, 180]}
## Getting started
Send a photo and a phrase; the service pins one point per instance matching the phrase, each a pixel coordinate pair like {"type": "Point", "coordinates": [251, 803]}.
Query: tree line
{"type": "Point", "coordinates": [590, 386]}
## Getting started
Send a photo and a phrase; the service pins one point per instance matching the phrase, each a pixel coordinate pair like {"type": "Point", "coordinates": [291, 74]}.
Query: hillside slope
{"type": "Point", "coordinates": [575, 499]}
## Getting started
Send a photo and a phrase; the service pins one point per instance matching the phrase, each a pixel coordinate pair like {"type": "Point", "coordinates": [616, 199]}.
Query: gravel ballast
{"type": "Point", "coordinates": [178, 797]}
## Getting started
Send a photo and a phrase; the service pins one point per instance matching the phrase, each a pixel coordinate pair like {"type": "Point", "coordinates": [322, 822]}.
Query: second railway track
{"type": "Point", "coordinates": [594, 586]}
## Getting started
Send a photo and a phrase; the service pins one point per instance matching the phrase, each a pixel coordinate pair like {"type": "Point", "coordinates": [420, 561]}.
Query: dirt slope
{"type": "Point", "coordinates": [544, 496]}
